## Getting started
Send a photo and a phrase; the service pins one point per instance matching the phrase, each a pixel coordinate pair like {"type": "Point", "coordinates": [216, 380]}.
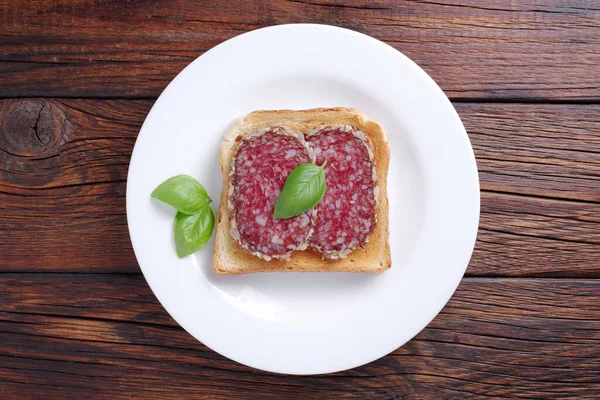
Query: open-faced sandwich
{"type": "Point", "coordinates": [346, 231]}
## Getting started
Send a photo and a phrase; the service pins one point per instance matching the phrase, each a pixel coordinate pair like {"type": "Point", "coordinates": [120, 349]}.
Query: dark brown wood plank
{"type": "Point", "coordinates": [106, 336]}
{"type": "Point", "coordinates": [534, 149]}
{"type": "Point", "coordinates": [539, 167]}
{"type": "Point", "coordinates": [63, 169]}
{"type": "Point", "coordinates": [531, 49]}
{"type": "Point", "coordinates": [524, 236]}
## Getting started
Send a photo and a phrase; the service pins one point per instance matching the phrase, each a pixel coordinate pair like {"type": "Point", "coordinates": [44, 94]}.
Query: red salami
{"type": "Point", "coordinates": [260, 168]}
{"type": "Point", "coordinates": [346, 215]}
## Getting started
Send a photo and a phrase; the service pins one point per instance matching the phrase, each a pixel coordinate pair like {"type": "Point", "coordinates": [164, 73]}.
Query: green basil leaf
{"type": "Point", "coordinates": [193, 231]}
{"type": "Point", "coordinates": [183, 193]}
{"type": "Point", "coordinates": [304, 188]}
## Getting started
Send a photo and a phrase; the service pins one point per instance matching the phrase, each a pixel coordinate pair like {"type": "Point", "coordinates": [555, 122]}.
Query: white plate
{"type": "Point", "coordinates": [309, 323]}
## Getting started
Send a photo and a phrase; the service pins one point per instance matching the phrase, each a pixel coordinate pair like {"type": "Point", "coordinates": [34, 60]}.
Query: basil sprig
{"type": "Point", "coordinates": [195, 219]}
{"type": "Point", "coordinates": [304, 188]}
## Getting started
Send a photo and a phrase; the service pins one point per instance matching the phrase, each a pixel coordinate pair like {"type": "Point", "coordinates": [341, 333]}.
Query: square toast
{"type": "Point", "coordinates": [230, 258]}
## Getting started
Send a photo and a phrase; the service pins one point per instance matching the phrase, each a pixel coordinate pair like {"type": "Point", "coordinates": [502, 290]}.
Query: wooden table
{"type": "Point", "coordinates": [77, 319]}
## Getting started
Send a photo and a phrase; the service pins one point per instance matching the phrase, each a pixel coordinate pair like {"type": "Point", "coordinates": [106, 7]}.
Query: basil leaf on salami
{"type": "Point", "coordinates": [304, 188]}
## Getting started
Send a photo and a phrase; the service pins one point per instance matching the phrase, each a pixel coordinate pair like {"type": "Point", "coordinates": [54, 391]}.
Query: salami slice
{"type": "Point", "coordinates": [259, 170]}
{"type": "Point", "coordinates": [346, 215]}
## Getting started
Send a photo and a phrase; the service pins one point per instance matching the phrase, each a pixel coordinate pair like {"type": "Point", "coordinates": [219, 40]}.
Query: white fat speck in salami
{"type": "Point", "coordinates": [346, 216]}
{"type": "Point", "coordinates": [261, 165]}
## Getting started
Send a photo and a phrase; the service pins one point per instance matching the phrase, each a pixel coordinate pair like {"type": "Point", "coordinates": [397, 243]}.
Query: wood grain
{"type": "Point", "coordinates": [62, 199]}
{"type": "Point", "coordinates": [529, 50]}
{"type": "Point", "coordinates": [78, 320]}
{"type": "Point", "coordinates": [524, 236]}
{"type": "Point", "coordinates": [538, 150]}
{"type": "Point", "coordinates": [63, 169]}
{"type": "Point", "coordinates": [71, 335]}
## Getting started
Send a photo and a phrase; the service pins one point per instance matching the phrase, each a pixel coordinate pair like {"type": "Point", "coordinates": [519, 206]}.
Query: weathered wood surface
{"type": "Point", "coordinates": [78, 320]}
{"type": "Point", "coordinates": [72, 335]}
{"type": "Point", "coordinates": [63, 169]}
{"type": "Point", "coordinates": [528, 49]}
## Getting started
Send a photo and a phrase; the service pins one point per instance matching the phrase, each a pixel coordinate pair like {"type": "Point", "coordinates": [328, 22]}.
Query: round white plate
{"type": "Point", "coordinates": [309, 323]}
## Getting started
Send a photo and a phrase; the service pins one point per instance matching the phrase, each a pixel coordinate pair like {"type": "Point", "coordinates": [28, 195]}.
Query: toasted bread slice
{"type": "Point", "coordinates": [231, 258]}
